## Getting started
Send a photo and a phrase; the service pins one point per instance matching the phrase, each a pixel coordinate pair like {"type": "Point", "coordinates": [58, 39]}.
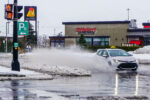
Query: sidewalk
{"type": "Point", "coordinates": [7, 74]}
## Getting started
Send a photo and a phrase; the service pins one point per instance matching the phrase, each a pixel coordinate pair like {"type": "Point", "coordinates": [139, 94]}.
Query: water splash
{"type": "Point", "coordinates": [72, 57]}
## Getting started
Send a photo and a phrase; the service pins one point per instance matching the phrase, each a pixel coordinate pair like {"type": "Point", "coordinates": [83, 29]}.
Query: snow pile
{"type": "Point", "coordinates": [142, 55]}
{"type": "Point", "coordinates": [58, 70]}
{"type": "Point", "coordinates": [142, 58]}
{"type": "Point", "coordinates": [5, 55]}
{"type": "Point", "coordinates": [7, 74]}
{"type": "Point", "coordinates": [144, 50]}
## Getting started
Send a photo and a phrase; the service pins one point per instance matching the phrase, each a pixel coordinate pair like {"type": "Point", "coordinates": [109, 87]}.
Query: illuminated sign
{"type": "Point", "coordinates": [9, 11]}
{"type": "Point", "coordinates": [30, 13]}
{"type": "Point", "coordinates": [9, 7]}
{"type": "Point", "coordinates": [9, 16]}
{"type": "Point", "coordinates": [147, 26]}
{"type": "Point", "coordinates": [137, 42]}
{"type": "Point", "coordinates": [86, 30]}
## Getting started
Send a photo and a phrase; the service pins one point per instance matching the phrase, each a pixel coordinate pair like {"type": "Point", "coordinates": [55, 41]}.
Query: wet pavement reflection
{"type": "Point", "coordinates": [14, 88]}
{"type": "Point", "coordinates": [103, 83]}
{"type": "Point", "coordinates": [126, 80]}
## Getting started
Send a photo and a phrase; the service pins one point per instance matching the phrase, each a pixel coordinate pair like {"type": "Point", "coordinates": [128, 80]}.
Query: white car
{"type": "Point", "coordinates": [119, 59]}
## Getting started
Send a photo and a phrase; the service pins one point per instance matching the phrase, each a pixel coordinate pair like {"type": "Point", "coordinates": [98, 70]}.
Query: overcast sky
{"type": "Point", "coordinates": [51, 13]}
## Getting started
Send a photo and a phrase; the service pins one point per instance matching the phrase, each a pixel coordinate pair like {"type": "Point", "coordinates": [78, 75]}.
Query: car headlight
{"type": "Point", "coordinates": [115, 60]}
{"type": "Point", "coordinates": [136, 61]}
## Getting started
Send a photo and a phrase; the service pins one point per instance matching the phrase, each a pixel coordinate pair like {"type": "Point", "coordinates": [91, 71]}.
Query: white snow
{"type": "Point", "coordinates": [142, 55]}
{"type": "Point", "coordinates": [23, 74]}
{"type": "Point", "coordinates": [144, 50]}
{"type": "Point", "coordinates": [142, 58]}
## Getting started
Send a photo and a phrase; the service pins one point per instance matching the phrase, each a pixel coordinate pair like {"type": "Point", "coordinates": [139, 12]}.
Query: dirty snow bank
{"type": "Point", "coordinates": [144, 50]}
{"type": "Point", "coordinates": [142, 55]}
{"type": "Point", "coordinates": [7, 74]}
{"type": "Point", "coordinates": [142, 58]}
{"type": "Point", "coordinates": [53, 70]}
{"type": "Point", "coordinates": [58, 70]}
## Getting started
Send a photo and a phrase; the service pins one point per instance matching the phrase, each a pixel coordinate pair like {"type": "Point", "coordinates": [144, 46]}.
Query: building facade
{"type": "Point", "coordinates": [140, 36]}
{"type": "Point", "coordinates": [103, 33]}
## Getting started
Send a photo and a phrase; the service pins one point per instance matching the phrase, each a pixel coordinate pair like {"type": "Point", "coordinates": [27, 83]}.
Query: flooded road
{"type": "Point", "coordinates": [77, 88]}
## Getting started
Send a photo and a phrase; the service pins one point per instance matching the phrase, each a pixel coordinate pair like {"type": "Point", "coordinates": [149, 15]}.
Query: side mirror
{"type": "Point", "coordinates": [105, 56]}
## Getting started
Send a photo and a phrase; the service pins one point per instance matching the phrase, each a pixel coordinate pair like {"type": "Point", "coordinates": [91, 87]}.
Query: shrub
{"type": "Point", "coordinates": [95, 48]}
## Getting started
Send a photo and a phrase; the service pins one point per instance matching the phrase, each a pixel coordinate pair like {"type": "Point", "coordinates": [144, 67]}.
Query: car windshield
{"type": "Point", "coordinates": [118, 53]}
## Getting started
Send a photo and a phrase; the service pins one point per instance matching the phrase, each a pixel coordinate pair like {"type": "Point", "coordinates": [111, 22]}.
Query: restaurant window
{"type": "Point", "coordinates": [100, 41]}
{"type": "Point", "coordinates": [96, 41]}
{"type": "Point", "coordinates": [88, 41]}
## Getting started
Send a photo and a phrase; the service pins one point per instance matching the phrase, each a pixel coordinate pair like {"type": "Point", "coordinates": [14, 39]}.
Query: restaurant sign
{"type": "Point", "coordinates": [87, 30]}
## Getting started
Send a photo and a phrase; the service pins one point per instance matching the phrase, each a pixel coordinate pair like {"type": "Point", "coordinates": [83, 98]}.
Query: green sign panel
{"type": "Point", "coordinates": [15, 45]}
{"type": "Point", "coordinates": [23, 28]}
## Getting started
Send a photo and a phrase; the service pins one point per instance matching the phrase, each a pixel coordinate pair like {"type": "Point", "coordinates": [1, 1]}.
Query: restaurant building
{"type": "Point", "coordinates": [139, 36]}
{"type": "Point", "coordinates": [101, 33]}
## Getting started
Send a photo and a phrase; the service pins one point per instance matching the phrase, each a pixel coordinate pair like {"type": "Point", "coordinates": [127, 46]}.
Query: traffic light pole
{"type": "Point", "coordinates": [15, 63]}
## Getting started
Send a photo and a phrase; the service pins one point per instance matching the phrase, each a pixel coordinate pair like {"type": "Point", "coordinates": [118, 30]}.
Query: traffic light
{"type": "Point", "coordinates": [9, 11]}
{"type": "Point", "coordinates": [19, 8]}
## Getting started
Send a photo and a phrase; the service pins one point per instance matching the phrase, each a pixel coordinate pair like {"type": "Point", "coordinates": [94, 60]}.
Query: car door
{"type": "Point", "coordinates": [106, 56]}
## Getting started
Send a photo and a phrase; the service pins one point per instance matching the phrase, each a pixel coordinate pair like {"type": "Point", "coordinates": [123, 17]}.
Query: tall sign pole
{"type": "Point", "coordinates": [31, 15]}
{"type": "Point", "coordinates": [128, 10]}
{"type": "Point", "coordinates": [15, 63]}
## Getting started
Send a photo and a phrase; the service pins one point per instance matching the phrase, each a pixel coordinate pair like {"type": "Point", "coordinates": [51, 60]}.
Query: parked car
{"type": "Point", "coordinates": [119, 59]}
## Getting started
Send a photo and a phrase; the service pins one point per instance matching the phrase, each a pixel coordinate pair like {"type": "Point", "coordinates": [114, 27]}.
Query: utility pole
{"type": "Point", "coordinates": [7, 32]}
{"type": "Point", "coordinates": [15, 63]}
{"type": "Point", "coordinates": [36, 23]}
{"type": "Point", "coordinates": [54, 31]}
{"type": "Point", "coordinates": [38, 34]}
{"type": "Point", "coordinates": [128, 10]}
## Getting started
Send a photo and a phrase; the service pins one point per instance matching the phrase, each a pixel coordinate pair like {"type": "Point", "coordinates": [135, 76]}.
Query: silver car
{"type": "Point", "coordinates": [119, 59]}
